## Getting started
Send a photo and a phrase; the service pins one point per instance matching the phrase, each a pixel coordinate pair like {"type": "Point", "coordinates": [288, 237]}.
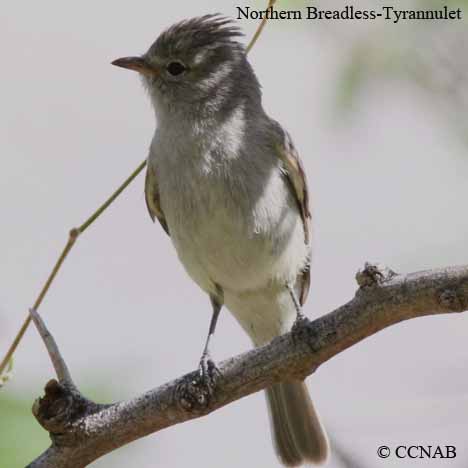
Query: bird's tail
{"type": "Point", "coordinates": [296, 430]}
{"type": "Point", "coordinates": [295, 426]}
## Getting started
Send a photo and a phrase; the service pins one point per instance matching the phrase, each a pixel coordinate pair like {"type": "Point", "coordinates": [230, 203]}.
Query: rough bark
{"type": "Point", "coordinates": [82, 431]}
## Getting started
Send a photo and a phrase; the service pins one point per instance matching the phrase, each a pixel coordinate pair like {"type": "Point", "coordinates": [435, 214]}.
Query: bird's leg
{"type": "Point", "coordinates": [301, 319]}
{"type": "Point", "coordinates": [207, 366]}
{"type": "Point", "coordinates": [299, 314]}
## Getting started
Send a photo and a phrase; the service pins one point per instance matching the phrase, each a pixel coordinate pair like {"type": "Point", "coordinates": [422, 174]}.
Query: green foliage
{"type": "Point", "coordinates": [352, 78]}
{"type": "Point", "coordinates": [7, 373]}
{"type": "Point", "coordinates": [365, 62]}
{"type": "Point", "coordinates": [423, 54]}
{"type": "Point", "coordinates": [22, 439]}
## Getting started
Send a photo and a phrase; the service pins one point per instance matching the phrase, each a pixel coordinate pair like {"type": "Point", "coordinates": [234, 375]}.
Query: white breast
{"type": "Point", "coordinates": [232, 217]}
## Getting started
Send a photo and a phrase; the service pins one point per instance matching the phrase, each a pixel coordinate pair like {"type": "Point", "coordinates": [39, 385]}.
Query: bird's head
{"type": "Point", "coordinates": [196, 66]}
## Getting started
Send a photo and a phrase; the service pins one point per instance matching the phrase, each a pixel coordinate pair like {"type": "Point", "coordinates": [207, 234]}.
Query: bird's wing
{"type": "Point", "coordinates": [294, 171]}
{"type": "Point", "coordinates": [153, 202]}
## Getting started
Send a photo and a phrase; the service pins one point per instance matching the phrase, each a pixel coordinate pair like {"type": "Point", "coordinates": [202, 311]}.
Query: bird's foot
{"type": "Point", "coordinates": [208, 372]}
{"type": "Point", "coordinates": [300, 327]}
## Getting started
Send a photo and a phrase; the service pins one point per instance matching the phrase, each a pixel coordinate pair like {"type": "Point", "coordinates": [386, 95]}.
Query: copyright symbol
{"type": "Point", "coordinates": [383, 451]}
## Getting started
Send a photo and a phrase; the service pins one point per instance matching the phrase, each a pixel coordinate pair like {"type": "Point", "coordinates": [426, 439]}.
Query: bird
{"type": "Point", "coordinates": [227, 185]}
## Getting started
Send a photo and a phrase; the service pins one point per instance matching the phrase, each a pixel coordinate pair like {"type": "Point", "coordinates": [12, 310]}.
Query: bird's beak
{"type": "Point", "coordinates": [138, 64]}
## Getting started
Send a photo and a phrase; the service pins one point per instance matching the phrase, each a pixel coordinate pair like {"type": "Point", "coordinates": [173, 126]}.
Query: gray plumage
{"type": "Point", "coordinates": [209, 31]}
{"type": "Point", "coordinates": [226, 183]}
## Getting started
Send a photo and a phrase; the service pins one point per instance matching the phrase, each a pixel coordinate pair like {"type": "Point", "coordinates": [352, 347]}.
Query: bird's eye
{"type": "Point", "coordinates": [176, 68]}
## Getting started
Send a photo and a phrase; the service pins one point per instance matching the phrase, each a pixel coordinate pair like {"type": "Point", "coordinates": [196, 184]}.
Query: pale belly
{"type": "Point", "coordinates": [242, 235]}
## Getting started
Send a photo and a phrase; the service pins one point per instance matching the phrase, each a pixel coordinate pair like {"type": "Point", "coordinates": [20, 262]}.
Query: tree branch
{"type": "Point", "coordinates": [83, 431]}
{"type": "Point", "coordinates": [60, 366]}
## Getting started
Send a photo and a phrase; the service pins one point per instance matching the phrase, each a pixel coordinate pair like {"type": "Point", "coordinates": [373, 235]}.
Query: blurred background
{"type": "Point", "coordinates": [378, 112]}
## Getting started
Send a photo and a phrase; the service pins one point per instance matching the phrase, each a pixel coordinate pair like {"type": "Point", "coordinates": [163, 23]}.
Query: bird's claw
{"type": "Point", "coordinates": [208, 372]}
{"type": "Point", "coordinates": [299, 327]}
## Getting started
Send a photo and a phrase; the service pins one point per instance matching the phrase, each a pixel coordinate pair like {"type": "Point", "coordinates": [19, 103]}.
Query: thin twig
{"type": "Point", "coordinates": [73, 236]}
{"type": "Point", "coordinates": [61, 369]}
{"type": "Point", "coordinates": [7, 375]}
{"type": "Point", "coordinates": [111, 199]}
{"type": "Point", "coordinates": [74, 233]}
{"type": "Point", "coordinates": [260, 28]}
